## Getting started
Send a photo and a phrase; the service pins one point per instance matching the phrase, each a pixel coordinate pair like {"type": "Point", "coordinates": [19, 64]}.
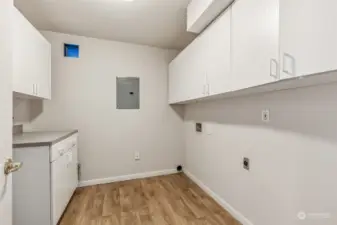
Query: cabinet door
{"type": "Point", "coordinates": [217, 44]}
{"type": "Point", "coordinates": [31, 59]}
{"type": "Point", "coordinates": [71, 175]}
{"type": "Point", "coordinates": [175, 81]}
{"type": "Point", "coordinates": [72, 166]}
{"type": "Point", "coordinates": [44, 69]}
{"type": "Point", "coordinates": [60, 187]}
{"type": "Point", "coordinates": [23, 61]}
{"type": "Point", "coordinates": [308, 37]}
{"type": "Point", "coordinates": [186, 75]}
{"type": "Point", "coordinates": [255, 42]}
{"type": "Point", "coordinates": [195, 69]}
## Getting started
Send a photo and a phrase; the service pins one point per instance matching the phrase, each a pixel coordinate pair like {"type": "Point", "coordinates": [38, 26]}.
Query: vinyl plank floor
{"type": "Point", "coordinates": [164, 200]}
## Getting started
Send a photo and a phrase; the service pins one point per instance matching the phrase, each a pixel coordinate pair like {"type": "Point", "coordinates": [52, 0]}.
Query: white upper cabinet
{"type": "Point", "coordinates": [31, 59]}
{"type": "Point", "coordinates": [173, 80]}
{"type": "Point", "coordinates": [308, 37]}
{"type": "Point", "coordinates": [178, 79]}
{"type": "Point", "coordinates": [217, 42]}
{"type": "Point", "coordinates": [255, 42]}
{"type": "Point", "coordinates": [23, 55]}
{"type": "Point", "coordinates": [44, 69]}
{"type": "Point", "coordinates": [196, 71]}
{"type": "Point", "coordinates": [187, 74]}
{"type": "Point", "coordinates": [176, 71]}
{"type": "Point", "coordinates": [203, 68]}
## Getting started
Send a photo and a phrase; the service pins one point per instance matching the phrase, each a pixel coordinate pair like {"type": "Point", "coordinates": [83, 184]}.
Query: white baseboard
{"type": "Point", "coordinates": [126, 177]}
{"type": "Point", "coordinates": [235, 213]}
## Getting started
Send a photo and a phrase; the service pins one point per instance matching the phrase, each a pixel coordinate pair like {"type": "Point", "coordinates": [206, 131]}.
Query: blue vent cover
{"type": "Point", "coordinates": [71, 50]}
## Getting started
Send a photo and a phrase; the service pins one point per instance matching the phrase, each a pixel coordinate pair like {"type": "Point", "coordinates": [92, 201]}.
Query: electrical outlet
{"type": "Point", "coordinates": [246, 163]}
{"type": "Point", "coordinates": [198, 127]}
{"type": "Point", "coordinates": [137, 156]}
{"type": "Point", "coordinates": [266, 116]}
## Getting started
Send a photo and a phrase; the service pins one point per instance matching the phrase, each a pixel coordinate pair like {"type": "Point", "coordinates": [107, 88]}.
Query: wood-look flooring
{"type": "Point", "coordinates": [165, 200]}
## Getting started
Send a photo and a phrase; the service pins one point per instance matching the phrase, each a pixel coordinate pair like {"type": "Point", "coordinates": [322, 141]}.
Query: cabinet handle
{"type": "Point", "coordinates": [272, 73]}
{"type": "Point", "coordinates": [35, 89]}
{"type": "Point", "coordinates": [292, 60]}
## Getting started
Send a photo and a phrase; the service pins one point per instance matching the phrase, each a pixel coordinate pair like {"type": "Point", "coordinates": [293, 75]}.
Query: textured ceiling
{"type": "Point", "coordinates": [160, 23]}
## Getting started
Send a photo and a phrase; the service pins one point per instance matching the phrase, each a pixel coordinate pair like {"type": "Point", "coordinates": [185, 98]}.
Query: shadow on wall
{"type": "Point", "coordinates": [179, 110]}
{"type": "Point", "coordinates": [292, 158]}
{"type": "Point", "coordinates": [309, 111]}
{"type": "Point", "coordinates": [26, 110]}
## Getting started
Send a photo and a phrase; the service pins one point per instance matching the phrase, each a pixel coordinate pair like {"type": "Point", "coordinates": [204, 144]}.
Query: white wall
{"type": "Point", "coordinates": [6, 108]}
{"type": "Point", "coordinates": [83, 98]}
{"type": "Point", "coordinates": [21, 110]}
{"type": "Point", "coordinates": [293, 158]}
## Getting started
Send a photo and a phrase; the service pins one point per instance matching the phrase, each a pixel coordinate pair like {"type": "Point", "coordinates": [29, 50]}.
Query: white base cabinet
{"type": "Point", "coordinates": [64, 176]}
{"type": "Point", "coordinates": [31, 59]}
{"type": "Point", "coordinates": [45, 184]}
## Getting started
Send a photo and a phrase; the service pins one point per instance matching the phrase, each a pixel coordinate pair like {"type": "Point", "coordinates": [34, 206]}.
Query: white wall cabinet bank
{"type": "Point", "coordinates": [31, 59]}
{"type": "Point", "coordinates": [265, 46]}
{"type": "Point", "coordinates": [48, 178]}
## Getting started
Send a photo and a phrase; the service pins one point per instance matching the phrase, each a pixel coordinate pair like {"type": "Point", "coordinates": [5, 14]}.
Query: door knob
{"type": "Point", "coordinates": [11, 166]}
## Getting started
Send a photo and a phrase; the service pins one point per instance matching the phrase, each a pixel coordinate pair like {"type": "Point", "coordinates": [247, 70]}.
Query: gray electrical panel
{"type": "Point", "coordinates": [127, 92]}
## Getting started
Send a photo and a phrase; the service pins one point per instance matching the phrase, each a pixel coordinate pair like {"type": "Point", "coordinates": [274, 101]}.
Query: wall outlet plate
{"type": "Point", "coordinates": [266, 116]}
{"type": "Point", "coordinates": [137, 156]}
